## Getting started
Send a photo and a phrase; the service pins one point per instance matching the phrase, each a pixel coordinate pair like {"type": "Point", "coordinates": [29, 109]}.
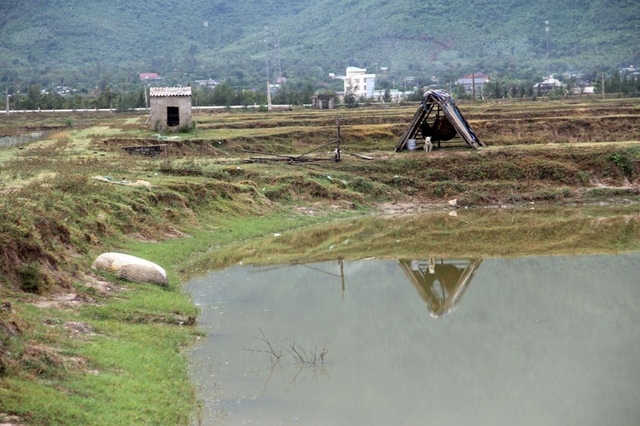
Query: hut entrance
{"type": "Point", "coordinates": [173, 116]}
{"type": "Point", "coordinates": [440, 130]}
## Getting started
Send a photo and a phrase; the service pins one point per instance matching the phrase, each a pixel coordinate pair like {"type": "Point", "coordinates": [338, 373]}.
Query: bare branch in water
{"type": "Point", "coordinates": [297, 352]}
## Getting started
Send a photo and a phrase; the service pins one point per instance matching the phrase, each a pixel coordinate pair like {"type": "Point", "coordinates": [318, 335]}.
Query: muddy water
{"type": "Point", "coordinates": [526, 341]}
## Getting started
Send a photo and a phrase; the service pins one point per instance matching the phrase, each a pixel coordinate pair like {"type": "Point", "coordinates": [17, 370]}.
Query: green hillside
{"type": "Point", "coordinates": [71, 42]}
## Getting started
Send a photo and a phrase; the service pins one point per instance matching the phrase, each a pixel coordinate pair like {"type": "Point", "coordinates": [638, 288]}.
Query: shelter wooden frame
{"type": "Point", "coordinates": [443, 103]}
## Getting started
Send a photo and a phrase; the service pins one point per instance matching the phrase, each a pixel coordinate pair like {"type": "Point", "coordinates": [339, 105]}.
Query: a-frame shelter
{"type": "Point", "coordinates": [448, 121]}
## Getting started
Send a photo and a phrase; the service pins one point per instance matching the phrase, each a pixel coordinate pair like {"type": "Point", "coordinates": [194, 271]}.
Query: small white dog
{"type": "Point", "coordinates": [428, 146]}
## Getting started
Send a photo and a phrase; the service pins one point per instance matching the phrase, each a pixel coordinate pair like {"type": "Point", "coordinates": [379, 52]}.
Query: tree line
{"type": "Point", "coordinates": [620, 83]}
{"type": "Point", "coordinates": [224, 94]}
{"type": "Point", "coordinates": [38, 99]}
{"type": "Point", "coordinates": [128, 98]}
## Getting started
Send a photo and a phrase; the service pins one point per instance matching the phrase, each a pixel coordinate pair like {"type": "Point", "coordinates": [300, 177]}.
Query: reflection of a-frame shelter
{"type": "Point", "coordinates": [441, 283]}
{"type": "Point", "coordinates": [439, 118]}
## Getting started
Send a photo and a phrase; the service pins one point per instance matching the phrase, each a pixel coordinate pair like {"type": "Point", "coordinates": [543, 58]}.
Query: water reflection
{"type": "Point", "coordinates": [289, 358]}
{"type": "Point", "coordinates": [538, 340]}
{"type": "Point", "coordinates": [328, 271]}
{"type": "Point", "coordinates": [440, 282]}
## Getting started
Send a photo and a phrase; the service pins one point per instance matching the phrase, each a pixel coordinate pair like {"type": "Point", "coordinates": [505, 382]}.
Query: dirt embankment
{"type": "Point", "coordinates": [533, 155]}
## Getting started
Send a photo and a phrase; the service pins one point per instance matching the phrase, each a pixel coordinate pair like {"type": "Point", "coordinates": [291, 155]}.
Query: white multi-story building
{"type": "Point", "coordinates": [359, 83]}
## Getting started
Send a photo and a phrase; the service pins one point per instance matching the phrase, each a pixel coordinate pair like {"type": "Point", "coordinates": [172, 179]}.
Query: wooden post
{"type": "Point", "coordinates": [7, 93]}
{"type": "Point", "coordinates": [602, 80]}
{"type": "Point", "coordinates": [337, 139]}
{"type": "Point", "coordinates": [197, 113]}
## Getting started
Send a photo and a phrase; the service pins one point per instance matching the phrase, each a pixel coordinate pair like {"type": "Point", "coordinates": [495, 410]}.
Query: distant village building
{"type": "Point", "coordinates": [358, 83]}
{"type": "Point", "coordinates": [583, 90]}
{"type": "Point", "coordinates": [210, 83]}
{"type": "Point", "coordinates": [323, 101]}
{"type": "Point", "coordinates": [170, 108]}
{"type": "Point", "coordinates": [546, 86]}
{"type": "Point", "coordinates": [395, 95]}
{"type": "Point", "coordinates": [630, 70]}
{"type": "Point", "coordinates": [146, 76]}
{"type": "Point", "coordinates": [63, 90]}
{"type": "Point", "coordinates": [479, 79]}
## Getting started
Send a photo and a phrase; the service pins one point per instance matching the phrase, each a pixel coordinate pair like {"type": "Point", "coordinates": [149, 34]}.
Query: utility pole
{"type": "Point", "coordinates": [7, 93]}
{"type": "Point", "coordinates": [546, 36]}
{"type": "Point", "coordinates": [269, 107]}
{"type": "Point", "coordinates": [473, 85]}
{"type": "Point", "coordinates": [546, 32]}
{"type": "Point", "coordinates": [278, 63]}
{"type": "Point", "coordinates": [146, 97]}
{"type": "Point", "coordinates": [602, 83]}
{"type": "Point", "coordinates": [268, 68]}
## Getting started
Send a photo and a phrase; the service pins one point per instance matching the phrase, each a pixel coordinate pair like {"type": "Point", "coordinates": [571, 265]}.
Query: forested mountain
{"type": "Point", "coordinates": [71, 42]}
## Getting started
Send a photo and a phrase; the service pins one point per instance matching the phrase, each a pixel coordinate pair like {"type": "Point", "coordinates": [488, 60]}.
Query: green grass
{"type": "Point", "coordinates": [131, 368]}
{"type": "Point", "coordinates": [143, 380]}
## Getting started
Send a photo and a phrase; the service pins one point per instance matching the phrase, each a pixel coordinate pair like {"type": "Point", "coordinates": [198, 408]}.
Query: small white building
{"type": "Point", "coordinates": [210, 83]}
{"type": "Point", "coordinates": [547, 85]}
{"type": "Point", "coordinates": [358, 83]}
{"type": "Point", "coordinates": [395, 95]}
{"type": "Point", "coordinates": [170, 108]}
{"type": "Point", "coordinates": [630, 70]}
{"type": "Point", "coordinates": [323, 101]}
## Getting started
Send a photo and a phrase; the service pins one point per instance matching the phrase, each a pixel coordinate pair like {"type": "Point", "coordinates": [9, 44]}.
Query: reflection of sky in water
{"type": "Point", "coordinates": [532, 341]}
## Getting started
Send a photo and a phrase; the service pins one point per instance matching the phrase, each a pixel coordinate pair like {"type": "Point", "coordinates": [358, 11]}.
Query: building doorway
{"type": "Point", "coordinates": [173, 116]}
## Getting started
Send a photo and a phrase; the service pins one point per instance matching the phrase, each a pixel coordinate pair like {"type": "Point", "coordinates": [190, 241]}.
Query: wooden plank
{"type": "Point", "coordinates": [412, 129]}
{"type": "Point", "coordinates": [364, 157]}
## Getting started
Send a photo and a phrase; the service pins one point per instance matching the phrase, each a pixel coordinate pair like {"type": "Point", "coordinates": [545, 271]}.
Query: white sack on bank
{"type": "Point", "coordinates": [131, 268]}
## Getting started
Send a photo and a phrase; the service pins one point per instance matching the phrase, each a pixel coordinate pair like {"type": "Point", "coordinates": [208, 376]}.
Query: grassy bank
{"type": "Point", "coordinates": [81, 347]}
{"type": "Point", "coordinates": [479, 233]}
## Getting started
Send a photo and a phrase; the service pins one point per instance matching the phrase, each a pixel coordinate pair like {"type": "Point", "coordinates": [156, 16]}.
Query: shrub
{"type": "Point", "coordinates": [32, 279]}
{"type": "Point", "coordinates": [624, 161]}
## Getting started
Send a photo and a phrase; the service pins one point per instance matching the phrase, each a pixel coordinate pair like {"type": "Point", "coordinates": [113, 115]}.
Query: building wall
{"type": "Point", "coordinates": [158, 112]}
{"type": "Point", "coordinates": [396, 95]}
{"type": "Point", "coordinates": [480, 80]}
{"type": "Point", "coordinates": [323, 101]}
{"type": "Point", "coordinates": [358, 82]}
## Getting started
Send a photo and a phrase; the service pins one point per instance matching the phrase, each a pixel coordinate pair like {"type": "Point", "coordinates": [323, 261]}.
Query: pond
{"type": "Point", "coordinates": [518, 316]}
{"type": "Point", "coordinates": [539, 340]}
